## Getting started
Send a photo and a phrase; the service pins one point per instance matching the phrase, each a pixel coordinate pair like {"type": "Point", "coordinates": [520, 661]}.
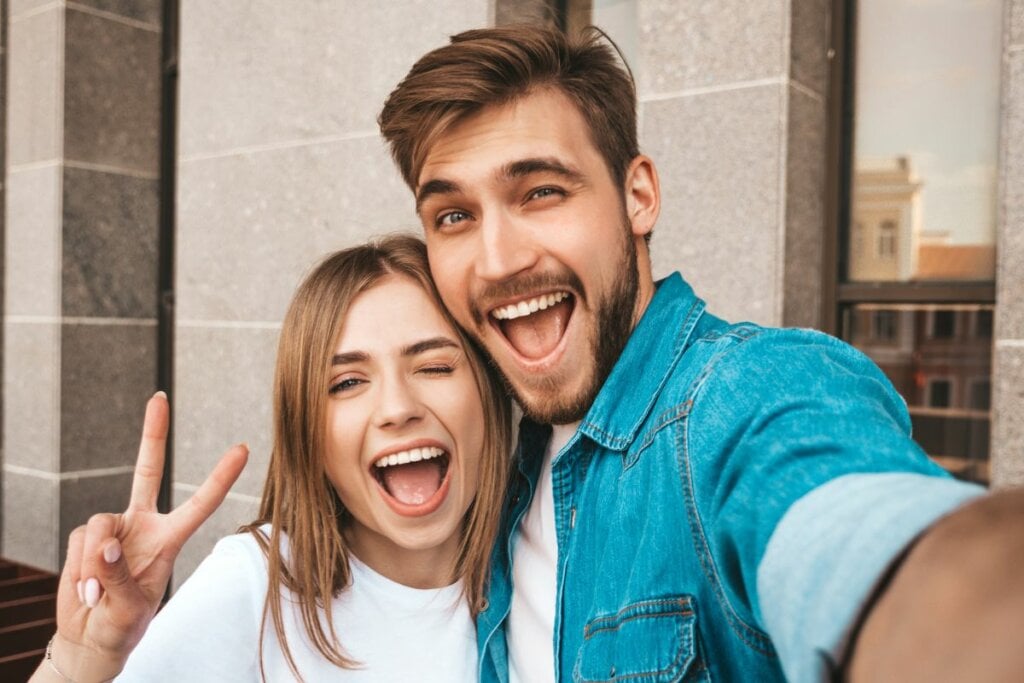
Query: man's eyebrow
{"type": "Point", "coordinates": [524, 167]}
{"type": "Point", "coordinates": [350, 357]}
{"type": "Point", "coordinates": [429, 345]}
{"type": "Point", "coordinates": [432, 187]}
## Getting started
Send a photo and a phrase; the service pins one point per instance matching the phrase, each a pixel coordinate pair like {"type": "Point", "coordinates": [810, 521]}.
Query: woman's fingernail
{"type": "Point", "coordinates": [112, 553]}
{"type": "Point", "coordinates": [92, 593]}
{"type": "Point", "coordinates": [81, 595]}
{"type": "Point", "coordinates": [161, 393]}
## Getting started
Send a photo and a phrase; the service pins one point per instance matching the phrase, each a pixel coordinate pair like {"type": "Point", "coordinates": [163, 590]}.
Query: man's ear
{"type": "Point", "coordinates": [643, 195]}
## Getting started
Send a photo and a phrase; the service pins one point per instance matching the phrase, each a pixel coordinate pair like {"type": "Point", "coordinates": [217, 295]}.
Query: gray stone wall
{"type": "Point", "coordinates": [733, 112]}
{"type": "Point", "coordinates": [81, 213]}
{"type": "Point", "coordinates": [1008, 381]}
{"type": "Point", "coordinates": [280, 162]}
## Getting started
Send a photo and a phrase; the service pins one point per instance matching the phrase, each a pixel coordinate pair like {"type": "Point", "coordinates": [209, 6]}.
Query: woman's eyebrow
{"type": "Point", "coordinates": [429, 345]}
{"type": "Point", "coordinates": [350, 357]}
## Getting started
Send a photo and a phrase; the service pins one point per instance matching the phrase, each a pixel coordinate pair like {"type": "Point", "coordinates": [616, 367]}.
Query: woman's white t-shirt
{"type": "Point", "coordinates": [210, 630]}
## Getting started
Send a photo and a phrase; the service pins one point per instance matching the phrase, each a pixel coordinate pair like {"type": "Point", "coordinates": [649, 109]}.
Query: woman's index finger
{"type": "Point", "coordinates": [149, 467]}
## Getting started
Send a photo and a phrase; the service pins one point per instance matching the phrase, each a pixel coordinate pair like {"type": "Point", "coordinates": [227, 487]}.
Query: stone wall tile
{"type": "Point", "coordinates": [694, 44]}
{"type": "Point", "coordinates": [29, 521]}
{"type": "Point", "coordinates": [111, 227]}
{"type": "Point", "coordinates": [275, 213]}
{"type": "Point", "coordinates": [719, 157]}
{"type": "Point", "coordinates": [1007, 457]}
{"type": "Point", "coordinates": [82, 497]}
{"type": "Point", "coordinates": [112, 93]}
{"type": "Point", "coordinates": [1010, 254]}
{"type": "Point", "coordinates": [108, 372]}
{"type": "Point", "coordinates": [31, 390]}
{"type": "Point", "coordinates": [34, 88]}
{"type": "Point", "coordinates": [1015, 18]}
{"type": "Point", "coordinates": [524, 12]}
{"type": "Point", "coordinates": [272, 74]}
{"type": "Point", "coordinates": [805, 210]}
{"type": "Point", "coordinates": [222, 396]}
{"type": "Point", "coordinates": [809, 44]}
{"type": "Point", "coordinates": [32, 259]}
{"type": "Point", "coordinates": [18, 7]}
{"type": "Point", "coordinates": [146, 11]}
{"type": "Point", "coordinates": [232, 513]}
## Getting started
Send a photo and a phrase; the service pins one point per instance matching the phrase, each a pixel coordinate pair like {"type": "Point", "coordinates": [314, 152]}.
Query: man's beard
{"type": "Point", "coordinates": [614, 325]}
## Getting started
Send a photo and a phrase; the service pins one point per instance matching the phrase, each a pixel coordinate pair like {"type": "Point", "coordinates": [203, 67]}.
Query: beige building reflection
{"type": "Point", "coordinates": [939, 357]}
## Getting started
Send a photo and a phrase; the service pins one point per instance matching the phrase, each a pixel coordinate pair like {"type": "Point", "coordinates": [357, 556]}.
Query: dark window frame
{"type": "Point", "coordinates": [839, 294]}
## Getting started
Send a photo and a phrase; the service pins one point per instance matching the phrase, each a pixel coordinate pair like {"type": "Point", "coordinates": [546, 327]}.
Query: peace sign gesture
{"type": "Point", "coordinates": [118, 565]}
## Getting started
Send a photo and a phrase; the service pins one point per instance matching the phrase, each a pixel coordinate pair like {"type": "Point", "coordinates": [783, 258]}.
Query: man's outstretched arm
{"type": "Point", "coordinates": [954, 608]}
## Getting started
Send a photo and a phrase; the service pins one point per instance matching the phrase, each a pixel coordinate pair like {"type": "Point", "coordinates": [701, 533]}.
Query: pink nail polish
{"type": "Point", "coordinates": [92, 593]}
{"type": "Point", "coordinates": [112, 553]}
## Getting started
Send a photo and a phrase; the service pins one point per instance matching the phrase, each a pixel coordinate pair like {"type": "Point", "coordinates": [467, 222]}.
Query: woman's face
{"type": "Point", "coordinates": [405, 427]}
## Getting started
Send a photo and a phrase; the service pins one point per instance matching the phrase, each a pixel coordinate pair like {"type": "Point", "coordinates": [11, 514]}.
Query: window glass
{"type": "Point", "coordinates": [925, 140]}
{"type": "Point", "coordinates": [939, 358]}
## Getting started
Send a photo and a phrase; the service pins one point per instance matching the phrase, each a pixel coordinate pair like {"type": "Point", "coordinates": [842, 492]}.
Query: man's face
{"type": "Point", "coordinates": [534, 247]}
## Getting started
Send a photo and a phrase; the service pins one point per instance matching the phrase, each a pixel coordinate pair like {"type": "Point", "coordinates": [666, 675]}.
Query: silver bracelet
{"type": "Point", "coordinates": [53, 665]}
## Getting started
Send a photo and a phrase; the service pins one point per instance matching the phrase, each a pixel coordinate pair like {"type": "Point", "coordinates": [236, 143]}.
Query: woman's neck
{"type": "Point", "coordinates": [414, 567]}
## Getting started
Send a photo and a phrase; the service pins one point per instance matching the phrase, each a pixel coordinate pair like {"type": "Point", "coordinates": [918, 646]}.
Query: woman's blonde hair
{"type": "Point", "coordinates": [299, 500]}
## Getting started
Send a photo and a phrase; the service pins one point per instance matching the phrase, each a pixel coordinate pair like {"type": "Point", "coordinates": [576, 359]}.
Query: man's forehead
{"type": "Point", "coordinates": [544, 124]}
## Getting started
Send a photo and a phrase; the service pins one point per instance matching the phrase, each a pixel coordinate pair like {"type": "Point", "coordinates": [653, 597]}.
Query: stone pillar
{"type": "Point", "coordinates": [1008, 372]}
{"type": "Point", "coordinates": [733, 113]}
{"type": "Point", "coordinates": [280, 161]}
{"type": "Point", "coordinates": [80, 293]}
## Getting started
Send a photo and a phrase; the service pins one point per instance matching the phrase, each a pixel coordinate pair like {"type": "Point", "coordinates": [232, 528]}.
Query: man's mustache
{"type": "Point", "coordinates": [521, 285]}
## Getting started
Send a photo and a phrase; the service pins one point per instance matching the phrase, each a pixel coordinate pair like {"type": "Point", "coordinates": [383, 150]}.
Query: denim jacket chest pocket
{"type": "Point", "coordinates": [651, 641]}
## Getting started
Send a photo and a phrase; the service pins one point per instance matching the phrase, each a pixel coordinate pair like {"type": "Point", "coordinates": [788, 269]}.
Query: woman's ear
{"type": "Point", "coordinates": [643, 195]}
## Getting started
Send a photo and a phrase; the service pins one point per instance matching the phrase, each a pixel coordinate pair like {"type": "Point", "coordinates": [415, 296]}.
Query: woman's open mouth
{"type": "Point", "coordinates": [414, 481]}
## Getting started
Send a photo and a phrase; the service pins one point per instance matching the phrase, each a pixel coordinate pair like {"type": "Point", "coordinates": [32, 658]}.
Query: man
{"type": "Point", "coordinates": [699, 500]}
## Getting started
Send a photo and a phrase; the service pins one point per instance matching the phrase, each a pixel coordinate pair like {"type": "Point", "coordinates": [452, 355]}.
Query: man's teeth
{"type": "Point", "coordinates": [411, 455]}
{"type": "Point", "coordinates": [528, 306]}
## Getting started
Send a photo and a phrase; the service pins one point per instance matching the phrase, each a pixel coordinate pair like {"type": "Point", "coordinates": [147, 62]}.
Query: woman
{"type": "Point", "coordinates": [369, 557]}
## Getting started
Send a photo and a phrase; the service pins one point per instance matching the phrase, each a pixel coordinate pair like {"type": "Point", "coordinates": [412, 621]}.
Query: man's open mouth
{"type": "Point", "coordinates": [415, 480]}
{"type": "Point", "coordinates": [534, 326]}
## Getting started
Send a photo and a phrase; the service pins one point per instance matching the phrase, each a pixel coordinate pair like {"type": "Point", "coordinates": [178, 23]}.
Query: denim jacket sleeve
{"type": "Point", "coordinates": [783, 414]}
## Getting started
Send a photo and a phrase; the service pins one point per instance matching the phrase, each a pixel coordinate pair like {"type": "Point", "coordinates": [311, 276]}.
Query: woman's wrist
{"type": "Point", "coordinates": [69, 661]}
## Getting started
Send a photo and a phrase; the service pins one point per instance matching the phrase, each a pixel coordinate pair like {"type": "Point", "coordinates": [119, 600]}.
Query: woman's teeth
{"type": "Point", "coordinates": [411, 455]}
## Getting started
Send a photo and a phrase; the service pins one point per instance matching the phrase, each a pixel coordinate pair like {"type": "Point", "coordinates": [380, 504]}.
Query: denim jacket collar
{"type": "Point", "coordinates": [645, 365]}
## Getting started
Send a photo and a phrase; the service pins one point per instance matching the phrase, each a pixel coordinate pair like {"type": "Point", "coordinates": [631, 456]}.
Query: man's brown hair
{"type": "Point", "coordinates": [494, 66]}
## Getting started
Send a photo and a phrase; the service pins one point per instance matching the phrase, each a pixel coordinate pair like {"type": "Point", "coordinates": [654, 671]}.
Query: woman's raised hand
{"type": "Point", "coordinates": [118, 565]}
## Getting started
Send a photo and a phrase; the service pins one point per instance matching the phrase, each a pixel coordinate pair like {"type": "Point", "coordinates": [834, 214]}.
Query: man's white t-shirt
{"type": "Point", "coordinates": [210, 629]}
{"type": "Point", "coordinates": [531, 620]}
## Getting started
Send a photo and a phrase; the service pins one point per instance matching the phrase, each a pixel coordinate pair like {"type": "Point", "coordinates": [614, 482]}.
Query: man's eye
{"type": "Point", "coordinates": [346, 384]}
{"type": "Point", "coordinates": [542, 192]}
{"type": "Point", "coordinates": [451, 218]}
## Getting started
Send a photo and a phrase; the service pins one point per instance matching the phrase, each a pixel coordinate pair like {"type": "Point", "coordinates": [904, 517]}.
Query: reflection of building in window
{"type": "Point", "coordinates": [886, 202]}
{"type": "Point", "coordinates": [917, 344]}
{"type": "Point", "coordinates": [940, 393]}
{"type": "Point", "coordinates": [983, 323]}
{"type": "Point", "coordinates": [886, 240]}
{"type": "Point", "coordinates": [942, 324]}
{"type": "Point", "coordinates": [883, 325]}
{"type": "Point", "coordinates": [979, 393]}
{"type": "Point", "coordinates": [889, 242]}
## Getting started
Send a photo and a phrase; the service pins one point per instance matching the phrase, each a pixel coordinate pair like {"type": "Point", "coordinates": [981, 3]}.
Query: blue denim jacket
{"type": "Point", "coordinates": [725, 507]}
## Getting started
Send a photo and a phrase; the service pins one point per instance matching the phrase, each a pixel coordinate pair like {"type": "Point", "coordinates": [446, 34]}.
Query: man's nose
{"type": "Point", "coordinates": [505, 249]}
